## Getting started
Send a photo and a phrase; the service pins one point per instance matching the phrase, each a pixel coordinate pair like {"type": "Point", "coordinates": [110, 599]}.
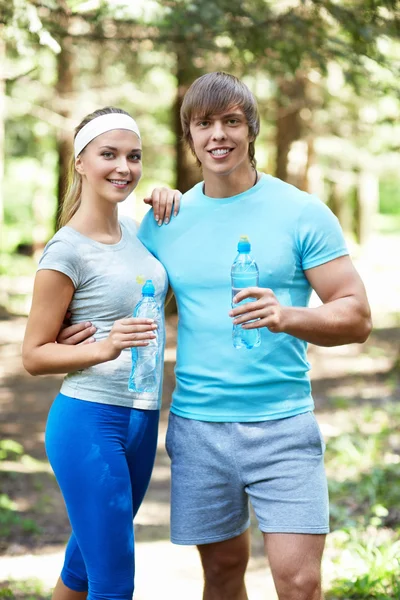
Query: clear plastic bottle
{"type": "Point", "coordinates": [244, 274]}
{"type": "Point", "coordinates": [145, 372]}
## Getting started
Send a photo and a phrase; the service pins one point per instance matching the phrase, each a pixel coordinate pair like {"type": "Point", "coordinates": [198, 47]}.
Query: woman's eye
{"type": "Point", "coordinates": [107, 154]}
{"type": "Point", "coordinates": [135, 157]}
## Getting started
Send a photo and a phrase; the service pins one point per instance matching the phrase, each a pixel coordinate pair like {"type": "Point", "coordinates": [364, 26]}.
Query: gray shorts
{"type": "Point", "coordinates": [218, 467]}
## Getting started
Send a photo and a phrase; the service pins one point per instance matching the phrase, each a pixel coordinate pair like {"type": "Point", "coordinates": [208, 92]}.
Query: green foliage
{"type": "Point", "coordinates": [10, 450]}
{"type": "Point", "coordinates": [315, 31]}
{"type": "Point", "coordinates": [365, 469]}
{"type": "Point", "coordinates": [388, 224]}
{"type": "Point", "coordinates": [363, 472]}
{"type": "Point", "coordinates": [13, 265]}
{"type": "Point", "coordinates": [30, 206]}
{"type": "Point", "coordinates": [375, 569]}
{"type": "Point", "coordinates": [31, 589]}
{"type": "Point", "coordinates": [389, 192]}
{"type": "Point", "coordinates": [24, 27]}
{"type": "Point", "coordinates": [10, 519]}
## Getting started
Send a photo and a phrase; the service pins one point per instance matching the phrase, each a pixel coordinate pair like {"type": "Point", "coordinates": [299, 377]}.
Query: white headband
{"type": "Point", "coordinates": [100, 125]}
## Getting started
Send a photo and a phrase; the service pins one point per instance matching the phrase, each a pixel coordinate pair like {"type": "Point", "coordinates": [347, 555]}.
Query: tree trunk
{"type": "Point", "coordinates": [64, 90]}
{"type": "Point", "coordinates": [2, 126]}
{"type": "Point", "coordinates": [290, 101]}
{"type": "Point", "coordinates": [187, 171]}
{"type": "Point", "coordinates": [340, 200]}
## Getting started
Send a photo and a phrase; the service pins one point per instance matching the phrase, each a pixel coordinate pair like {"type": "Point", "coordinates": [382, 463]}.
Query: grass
{"type": "Point", "coordinates": [364, 468]}
{"type": "Point", "coordinates": [31, 589]}
{"type": "Point", "coordinates": [371, 568]}
{"type": "Point", "coordinates": [364, 471]}
{"type": "Point", "coordinates": [11, 521]}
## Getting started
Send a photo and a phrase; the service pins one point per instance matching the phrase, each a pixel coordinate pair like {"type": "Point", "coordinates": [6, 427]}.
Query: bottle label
{"type": "Point", "coordinates": [244, 280]}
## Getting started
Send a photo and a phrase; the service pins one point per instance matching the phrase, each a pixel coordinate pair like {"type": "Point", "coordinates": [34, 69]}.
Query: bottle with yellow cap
{"type": "Point", "coordinates": [244, 274]}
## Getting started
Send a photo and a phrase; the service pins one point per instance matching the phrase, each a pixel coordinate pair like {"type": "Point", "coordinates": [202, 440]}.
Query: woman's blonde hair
{"type": "Point", "coordinates": [72, 196]}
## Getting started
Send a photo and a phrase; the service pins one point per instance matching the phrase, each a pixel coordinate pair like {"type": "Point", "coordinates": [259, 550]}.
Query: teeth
{"type": "Point", "coordinates": [118, 181]}
{"type": "Point", "coordinates": [219, 151]}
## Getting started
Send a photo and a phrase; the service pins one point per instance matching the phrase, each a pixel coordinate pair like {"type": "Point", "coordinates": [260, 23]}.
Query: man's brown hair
{"type": "Point", "coordinates": [217, 92]}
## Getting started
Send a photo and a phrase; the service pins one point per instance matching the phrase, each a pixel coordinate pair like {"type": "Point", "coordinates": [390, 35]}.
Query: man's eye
{"type": "Point", "coordinates": [233, 121]}
{"type": "Point", "coordinates": [204, 123]}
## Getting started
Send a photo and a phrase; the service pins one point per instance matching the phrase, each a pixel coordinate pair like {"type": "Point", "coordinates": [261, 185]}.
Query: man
{"type": "Point", "coordinates": [241, 424]}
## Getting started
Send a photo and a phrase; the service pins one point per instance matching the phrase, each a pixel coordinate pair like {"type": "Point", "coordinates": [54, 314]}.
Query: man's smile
{"type": "Point", "coordinates": [220, 152]}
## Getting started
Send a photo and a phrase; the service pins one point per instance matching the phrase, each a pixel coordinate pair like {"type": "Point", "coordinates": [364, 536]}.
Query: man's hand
{"type": "Point", "coordinates": [162, 200]}
{"type": "Point", "coordinates": [343, 318]}
{"type": "Point", "coordinates": [265, 308]}
{"type": "Point", "coordinates": [80, 333]}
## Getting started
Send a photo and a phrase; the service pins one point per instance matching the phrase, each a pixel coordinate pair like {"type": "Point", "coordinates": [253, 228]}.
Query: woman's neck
{"type": "Point", "coordinates": [96, 223]}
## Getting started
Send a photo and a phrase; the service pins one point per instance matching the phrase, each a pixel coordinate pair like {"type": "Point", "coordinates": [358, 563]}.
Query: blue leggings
{"type": "Point", "coordinates": [102, 457]}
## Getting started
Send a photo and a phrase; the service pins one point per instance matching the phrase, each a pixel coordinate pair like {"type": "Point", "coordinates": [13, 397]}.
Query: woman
{"type": "Point", "coordinates": [100, 437]}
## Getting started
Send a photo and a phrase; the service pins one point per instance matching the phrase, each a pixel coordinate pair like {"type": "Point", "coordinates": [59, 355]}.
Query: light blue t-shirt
{"type": "Point", "coordinates": [108, 281]}
{"type": "Point", "coordinates": [289, 231]}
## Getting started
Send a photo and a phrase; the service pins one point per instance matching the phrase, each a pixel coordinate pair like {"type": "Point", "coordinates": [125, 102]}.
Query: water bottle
{"type": "Point", "coordinates": [244, 274]}
{"type": "Point", "coordinates": [145, 373]}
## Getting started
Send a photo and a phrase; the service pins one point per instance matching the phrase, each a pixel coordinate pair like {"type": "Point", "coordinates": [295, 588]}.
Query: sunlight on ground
{"type": "Point", "coordinates": [353, 429]}
{"type": "Point", "coordinates": [155, 577]}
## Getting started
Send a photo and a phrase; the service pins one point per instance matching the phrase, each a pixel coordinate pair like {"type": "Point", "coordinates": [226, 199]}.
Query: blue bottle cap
{"type": "Point", "coordinates": [244, 245]}
{"type": "Point", "coordinates": [148, 288]}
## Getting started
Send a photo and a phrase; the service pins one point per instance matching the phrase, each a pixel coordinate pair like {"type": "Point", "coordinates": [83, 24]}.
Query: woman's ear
{"type": "Point", "coordinates": [79, 166]}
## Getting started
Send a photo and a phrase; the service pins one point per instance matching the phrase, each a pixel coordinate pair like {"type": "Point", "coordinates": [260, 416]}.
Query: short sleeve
{"type": "Point", "coordinates": [61, 256]}
{"type": "Point", "coordinates": [319, 235]}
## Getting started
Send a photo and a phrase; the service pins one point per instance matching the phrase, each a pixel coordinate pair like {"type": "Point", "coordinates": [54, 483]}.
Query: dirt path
{"type": "Point", "coordinates": [163, 570]}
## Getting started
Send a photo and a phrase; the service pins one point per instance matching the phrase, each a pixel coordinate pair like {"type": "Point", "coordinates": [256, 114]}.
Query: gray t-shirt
{"type": "Point", "coordinates": [108, 279]}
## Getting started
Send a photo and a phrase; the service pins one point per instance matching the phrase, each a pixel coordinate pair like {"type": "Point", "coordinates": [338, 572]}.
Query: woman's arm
{"type": "Point", "coordinates": [162, 200]}
{"type": "Point", "coordinates": [41, 354]}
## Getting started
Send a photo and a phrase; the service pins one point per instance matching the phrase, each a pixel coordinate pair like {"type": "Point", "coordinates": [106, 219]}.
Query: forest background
{"type": "Point", "coordinates": [326, 75]}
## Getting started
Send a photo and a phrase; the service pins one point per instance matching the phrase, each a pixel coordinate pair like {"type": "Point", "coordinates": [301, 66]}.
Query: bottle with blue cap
{"type": "Point", "coordinates": [145, 373]}
{"type": "Point", "coordinates": [244, 274]}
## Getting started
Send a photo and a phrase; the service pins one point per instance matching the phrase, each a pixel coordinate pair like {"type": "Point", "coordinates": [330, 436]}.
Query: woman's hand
{"type": "Point", "coordinates": [163, 200]}
{"type": "Point", "coordinates": [265, 308]}
{"type": "Point", "coordinates": [80, 333]}
{"type": "Point", "coordinates": [128, 333]}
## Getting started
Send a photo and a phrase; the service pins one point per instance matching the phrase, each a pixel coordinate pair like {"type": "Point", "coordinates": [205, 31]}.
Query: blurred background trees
{"type": "Point", "coordinates": [325, 74]}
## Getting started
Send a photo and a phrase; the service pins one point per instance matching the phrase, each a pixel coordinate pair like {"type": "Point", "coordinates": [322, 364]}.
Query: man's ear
{"type": "Point", "coordinates": [79, 166]}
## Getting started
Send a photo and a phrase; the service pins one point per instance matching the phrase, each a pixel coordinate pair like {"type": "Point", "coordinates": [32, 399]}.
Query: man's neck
{"type": "Point", "coordinates": [231, 184]}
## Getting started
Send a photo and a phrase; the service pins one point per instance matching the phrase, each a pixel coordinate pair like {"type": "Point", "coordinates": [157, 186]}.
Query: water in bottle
{"type": "Point", "coordinates": [244, 274]}
{"type": "Point", "coordinates": [145, 372]}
